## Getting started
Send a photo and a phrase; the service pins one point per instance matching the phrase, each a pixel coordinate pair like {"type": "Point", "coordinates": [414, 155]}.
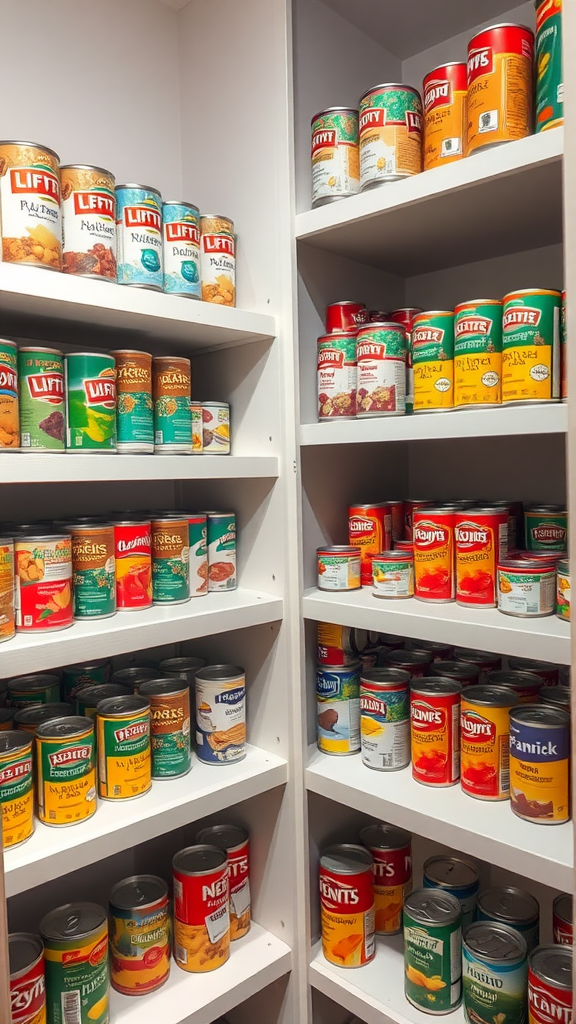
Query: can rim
{"type": "Point", "coordinates": [424, 686]}
{"type": "Point", "coordinates": [72, 722]}
{"type": "Point", "coordinates": [518, 945]}
{"type": "Point", "coordinates": [195, 850]}
{"type": "Point", "coordinates": [350, 850]}
{"type": "Point", "coordinates": [401, 836]}
{"type": "Point", "coordinates": [29, 145]}
{"type": "Point", "coordinates": [330, 110]}
{"type": "Point", "coordinates": [75, 910]}
{"type": "Point", "coordinates": [558, 951]}
{"type": "Point", "coordinates": [392, 85]}
{"type": "Point", "coordinates": [550, 717]}
{"type": "Point", "coordinates": [39, 348]}
{"type": "Point", "coordinates": [219, 831]}
{"type": "Point", "coordinates": [169, 686]}
{"type": "Point", "coordinates": [87, 167]}
{"type": "Point", "coordinates": [181, 202]}
{"type": "Point", "coordinates": [144, 188]}
{"type": "Point", "coordinates": [34, 942]}
{"type": "Point", "coordinates": [115, 901]}
{"type": "Point", "coordinates": [501, 24]}
{"type": "Point", "coordinates": [514, 892]}
{"type": "Point", "coordinates": [447, 64]}
{"type": "Point", "coordinates": [499, 696]}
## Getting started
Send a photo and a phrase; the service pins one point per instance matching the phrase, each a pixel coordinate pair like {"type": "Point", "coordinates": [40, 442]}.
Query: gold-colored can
{"type": "Point", "coordinates": [30, 206]}
{"type": "Point", "coordinates": [88, 221]}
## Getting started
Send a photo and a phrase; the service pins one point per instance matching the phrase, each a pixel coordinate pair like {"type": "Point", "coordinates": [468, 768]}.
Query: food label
{"type": "Point", "coordinates": [170, 728]}
{"type": "Point", "coordinates": [562, 594]}
{"type": "Point", "coordinates": [338, 710]}
{"type": "Point", "coordinates": [198, 555]}
{"type": "Point", "coordinates": [499, 86]}
{"type": "Point", "coordinates": [546, 531]}
{"type": "Point", "coordinates": [392, 871]}
{"type": "Point", "coordinates": [493, 990]}
{"type": "Point", "coordinates": [74, 677]}
{"type": "Point", "coordinates": [433, 537]}
{"type": "Point", "coordinates": [335, 160]}
{"type": "Point", "coordinates": [139, 237]}
{"type": "Point", "coordinates": [7, 610]}
{"type": "Point", "coordinates": [124, 763]}
{"type": "Point", "coordinates": [140, 948]}
{"type": "Point", "coordinates": [16, 796]}
{"type": "Point", "coordinates": [220, 722]}
{"type": "Point", "coordinates": [91, 402]}
{"type": "Point", "coordinates": [239, 881]}
{"type": "Point", "coordinates": [479, 542]}
{"type": "Point", "coordinates": [42, 404]}
{"type": "Point", "coordinates": [390, 130]}
{"type": "Point", "coordinates": [370, 529]}
{"type": "Point", "coordinates": [28, 995]}
{"type": "Point", "coordinates": [337, 376]}
{"type": "Point", "coordinates": [89, 222]}
{"type": "Point", "coordinates": [393, 579]}
{"type": "Point", "coordinates": [445, 116]}
{"type": "Point", "coordinates": [201, 920]}
{"type": "Point", "coordinates": [135, 410]}
{"type": "Point", "coordinates": [385, 727]}
{"type": "Point", "coordinates": [433, 362]}
{"type": "Point", "coordinates": [43, 584]}
{"type": "Point", "coordinates": [171, 393]}
{"type": "Point", "coordinates": [77, 979]}
{"type": "Point", "coordinates": [335, 644]}
{"type": "Point", "coordinates": [478, 354]}
{"type": "Point", "coordinates": [170, 562]}
{"type": "Point", "coordinates": [435, 739]}
{"type": "Point", "coordinates": [432, 964]}
{"type": "Point", "coordinates": [381, 355]}
{"type": "Point", "coordinates": [181, 232]}
{"type": "Point", "coordinates": [347, 912]}
{"type": "Point", "coordinates": [9, 417]}
{"type": "Point", "coordinates": [549, 78]}
{"type": "Point", "coordinates": [338, 572]}
{"type": "Point", "coordinates": [66, 779]}
{"type": "Point", "coordinates": [133, 552]}
{"type": "Point", "coordinates": [221, 552]}
{"type": "Point", "coordinates": [30, 204]}
{"type": "Point", "coordinates": [526, 594]}
{"type": "Point", "coordinates": [94, 568]}
{"type": "Point", "coordinates": [218, 268]}
{"type": "Point", "coordinates": [196, 427]}
{"type": "Point", "coordinates": [539, 771]}
{"type": "Point", "coordinates": [531, 347]}
{"type": "Point", "coordinates": [216, 429]}
{"type": "Point", "coordinates": [563, 931]}
{"type": "Point", "coordinates": [548, 1004]}
{"type": "Point", "coordinates": [485, 742]}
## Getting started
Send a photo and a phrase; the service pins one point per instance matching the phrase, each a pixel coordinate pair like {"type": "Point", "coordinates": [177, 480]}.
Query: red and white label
{"type": "Point", "coordinates": [392, 867]}
{"type": "Point", "coordinates": [428, 535]}
{"type": "Point", "coordinates": [28, 996]}
{"type": "Point", "coordinates": [8, 380]}
{"type": "Point", "coordinates": [94, 202]}
{"type": "Point", "coordinates": [132, 540]}
{"type": "Point", "coordinates": [325, 139]}
{"type": "Point", "coordinates": [62, 758]}
{"type": "Point", "coordinates": [34, 181]}
{"type": "Point", "coordinates": [521, 316]}
{"type": "Point", "coordinates": [477, 729]}
{"type": "Point", "coordinates": [427, 717]}
{"type": "Point", "coordinates": [182, 231]}
{"type": "Point", "coordinates": [132, 732]}
{"type": "Point", "coordinates": [200, 897]}
{"type": "Point", "coordinates": [46, 387]}
{"type": "Point", "coordinates": [12, 772]}
{"type": "Point", "coordinates": [346, 894]}
{"type": "Point", "coordinates": [142, 217]}
{"type": "Point", "coordinates": [472, 537]}
{"type": "Point", "coordinates": [473, 325]}
{"type": "Point", "coordinates": [100, 391]}
{"type": "Point", "coordinates": [223, 244]}
{"type": "Point", "coordinates": [437, 94]}
{"type": "Point", "coordinates": [480, 63]}
{"type": "Point", "coordinates": [546, 1003]}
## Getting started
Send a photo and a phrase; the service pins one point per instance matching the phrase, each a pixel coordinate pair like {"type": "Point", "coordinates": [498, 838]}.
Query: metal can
{"type": "Point", "coordinates": [550, 985]}
{"type": "Point", "coordinates": [133, 675]}
{"type": "Point", "coordinates": [557, 697]}
{"type": "Point", "coordinates": [478, 354]}
{"type": "Point", "coordinates": [169, 726]}
{"type": "Point", "coordinates": [170, 560]}
{"type": "Point", "coordinates": [139, 236]}
{"type": "Point", "coordinates": [391, 850]}
{"type": "Point", "coordinates": [234, 841]}
{"type": "Point", "coordinates": [42, 405]}
{"type": "Point", "coordinates": [335, 161]}
{"type": "Point", "coordinates": [445, 91]}
{"type": "Point", "coordinates": [546, 528]}
{"type": "Point", "coordinates": [494, 973]}
{"type": "Point", "coordinates": [531, 346]}
{"type": "Point", "coordinates": [7, 609]}
{"type": "Point", "coordinates": [480, 542]}
{"type": "Point", "coordinates": [345, 317]}
{"type": "Point", "coordinates": [526, 589]}
{"type": "Point", "coordinates": [33, 689]}
{"type": "Point", "coordinates": [133, 554]}
{"type": "Point", "coordinates": [562, 919]}
{"type": "Point", "coordinates": [198, 554]}
{"type": "Point", "coordinates": [393, 574]}
{"type": "Point", "coordinates": [338, 567]}
{"type": "Point", "coordinates": [416, 663]}
{"type": "Point", "coordinates": [76, 962]}
{"type": "Point", "coordinates": [397, 523]}
{"type": "Point", "coordinates": [484, 661]}
{"type": "Point", "coordinates": [43, 581]}
{"type": "Point", "coordinates": [500, 92]}
{"type": "Point", "coordinates": [123, 743]}
{"type": "Point", "coordinates": [31, 718]}
{"type": "Point", "coordinates": [465, 674]}
{"type": "Point", "coordinates": [201, 914]}
{"type": "Point", "coordinates": [438, 651]}
{"type": "Point", "coordinates": [94, 571]}
{"type": "Point", "coordinates": [16, 787]}
{"type": "Point", "coordinates": [218, 259]}
{"type": "Point", "coordinates": [339, 645]}
{"type": "Point", "coordinates": [381, 352]}
{"type": "Point", "coordinates": [140, 931]}
{"type": "Point", "coordinates": [540, 764]}
{"type": "Point", "coordinates": [563, 350]}
{"type": "Point", "coordinates": [515, 908]}
{"type": "Point", "coordinates": [215, 428]}
{"type": "Point", "coordinates": [66, 767]}
{"type": "Point", "coordinates": [457, 876]}
{"type": "Point", "coordinates": [90, 402]}
{"type": "Point", "coordinates": [196, 426]}
{"type": "Point", "coordinates": [7, 716]}
{"type": "Point", "coordinates": [433, 361]}
{"type": "Point", "coordinates": [390, 134]}
{"type": "Point", "coordinates": [562, 606]}
{"type": "Point", "coordinates": [337, 371]}
{"type": "Point", "coordinates": [370, 529]}
{"type": "Point", "coordinates": [181, 247]}
{"type": "Point", "coordinates": [89, 697]}
{"type": "Point", "coordinates": [385, 718]}
{"type": "Point", "coordinates": [410, 508]}
{"type": "Point", "coordinates": [221, 537]}
{"type": "Point", "coordinates": [433, 535]}
{"type": "Point", "coordinates": [347, 905]}
{"type": "Point", "coordinates": [27, 983]}
{"type": "Point", "coordinates": [135, 409]}
{"type": "Point", "coordinates": [549, 77]}
{"type": "Point", "coordinates": [30, 205]}
{"type": "Point", "coordinates": [9, 416]}
{"type": "Point", "coordinates": [171, 392]}
{"type": "Point", "coordinates": [549, 674]}
{"type": "Point", "coordinates": [485, 741]}
{"type": "Point", "coordinates": [435, 733]}
{"type": "Point", "coordinates": [221, 714]}
{"type": "Point", "coordinates": [338, 708]}
{"type": "Point", "coordinates": [88, 221]}
{"type": "Point", "coordinates": [432, 950]}
{"type": "Point", "coordinates": [182, 668]}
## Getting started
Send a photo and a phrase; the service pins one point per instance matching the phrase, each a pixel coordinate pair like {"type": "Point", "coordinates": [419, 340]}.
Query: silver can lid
{"type": "Point", "coordinates": [509, 905]}
{"type": "Point", "coordinates": [382, 836]}
{"type": "Point", "coordinates": [138, 892]}
{"type": "Point", "coordinates": [199, 860]}
{"type": "Point", "coordinates": [494, 942]}
{"type": "Point", "coordinates": [553, 964]}
{"type": "Point", "coordinates": [450, 872]}
{"type": "Point", "coordinates": [346, 859]}
{"type": "Point", "coordinates": [432, 907]}
{"type": "Point", "coordinates": [72, 921]}
{"type": "Point", "coordinates": [225, 837]}
{"type": "Point", "coordinates": [220, 674]}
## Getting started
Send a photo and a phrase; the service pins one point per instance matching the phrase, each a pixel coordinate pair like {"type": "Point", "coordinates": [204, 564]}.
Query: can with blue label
{"type": "Point", "coordinates": [338, 708]}
{"type": "Point", "coordinates": [139, 236]}
{"type": "Point", "coordinates": [385, 718]}
{"type": "Point", "coordinates": [540, 764]}
{"type": "Point", "coordinates": [516, 908]}
{"type": "Point", "coordinates": [494, 974]}
{"type": "Point", "coordinates": [456, 876]}
{"type": "Point", "coordinates": [181, 239]}
{"type": "Point", "coordinates": [221, 714]}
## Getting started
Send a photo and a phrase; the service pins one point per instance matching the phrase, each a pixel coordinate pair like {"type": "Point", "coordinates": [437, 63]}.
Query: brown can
{"type": "Point", "coordinates": [30, 209]}
{"type": "Point", "coordinates": [170, 560]}
{"type": "Point", "coordinates": [171, 391]}
{"type": "Point", "coordinates": [7, 613]}
{"type": "Point", "coordinates": [169, 726]}
{"type": "Point", "coordinates": [135, 409]}
{"type": "Point", "coordinates": [94, 571]}
{"type": "Point", "coordinates": [88, 221]}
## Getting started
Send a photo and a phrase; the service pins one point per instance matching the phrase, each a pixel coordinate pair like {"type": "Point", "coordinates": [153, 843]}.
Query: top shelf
{"type": "Point", "coordinates": [497, 202]}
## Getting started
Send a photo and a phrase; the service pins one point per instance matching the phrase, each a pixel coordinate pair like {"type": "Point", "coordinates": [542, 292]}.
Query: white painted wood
{"type": "Point", "coordinates": [69, 467]}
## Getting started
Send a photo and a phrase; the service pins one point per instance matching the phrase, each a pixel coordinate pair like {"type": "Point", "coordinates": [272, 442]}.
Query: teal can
{"type": "Point", "coordinates": [169, 726]}
{"type": "Point", "coordinates": [90, 402]}
{"type": "Point", "coordinates": [139, 236]}
{"type": "Point", "coordinates": [135, 410]}
{"type": "Point", "coordinates": [171, 392]}
{"type": "Point", "coordinates": [181, 240]}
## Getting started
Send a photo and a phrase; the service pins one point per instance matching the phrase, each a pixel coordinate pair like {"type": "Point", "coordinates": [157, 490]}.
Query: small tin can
{"type": "Point", "coordinates": [169, 726]}
{"type": "Point", "coordinates": [385, 718]}
{"type": "Point", "coordinates": [201, 914]}
{"type": "Point", "coordinates": [432, 950]}
{"type": "Point", "coordinates": [30, 205]}
{"type": "Point", "coordinates": [75, 940]}
{"type": "Point", "coordinates": [397, 523]}
{"type": "Point", "coordinates": [94, 571]}
{"type": "Point", "coordinates": [171, 393]}
{"type": "Point", "coordinates": [16, 787]}
{"type": "Point", "coordinates": [215, 428]}
{"type": "Point", "coordinates": [557, 697]}
{"type": "Point", "coordinates": [347, 905]}
{"type": "Point", "coordinates": [484, 661]}
{"type": "Point", "coordinates": [478, 354]}
{"type": "Point", "coordinates": [338, 708]}
{"type": "Point", "coordinates": [42, 399]}
{"type": "Point", "coordinates": [416, 663]}
{"type": "Point", "coordinates": [221, 538]}
{"type": "Point", "coordinates": [550, 985]}
{"type": "Point", "coordinates": [140, 931]}
{"type": "Point", "coordinates": [370, 529]}
{"type": "Point", "coordinates": [457, 876]}
{"type": "Point", "coordinates": [540, 764]}
{"type": "Point", "coordinates": [135, 409]}
{"type": "Point", "coordinates": [484, 737]}
{"type": "Point", "coordinates": [531, 346]}
{"type": "Point", "coordinates": [181, 248]}
{"type": "Point", "coordinates": [218, 259]}
{"type": "Point", "coordinates": [9, 415]}
{"type": "Point", "coordinates": [526, 589]}
{"type": "Point", "coordinates": [500, 90]}
{"type": "Point", "coordinates": [335, 160]}
{"type": "Point", "coordinates": [89, 697]}
{"type": "Point", "coordinates": [464, 673]}
{"type": "Point", "coordinates": [546, 528]}
{"type": "Point", "coordinates": [381, 352]}
{"type": "Point", "coordinates": [480, 542]}
{"type": "Point", "coordinates": [123, 743]}
{"type": "Point", "coordinates": [435, 735]}
{"type": "Point", "coordinates": [548, 56]}
{"type": "Point", "coordinates": [182, 668]}
{"type": "Point", "coordinates": [445, 91]}
{"type": "Point", "coordinates": [90, 402]}
{"type": "Point", "coordinates": [88, 221]}
{"type": "Point", "coordinates": [338, 567]}
{"type": "Point", "coordinates": [549, 674]}
{"type": "Point", "coordinates": [337, 376]}
{"type": "Point", "coordinates": [221, 714]}
{"type": "Point", "coordinates": [198, 554]}
{"type": "Point", "coordinates": [345, 317]}
{"type": "Point", "coordinates": [494, 973]}
{"type": "Point", "coordinates": [438, 651]}
{"type": "Point", "coordinates": [391, 850]}
{"type": "Point", "coordinates": [390, 134]}
{"type": "Point", "coordinates": [139, 236]}
{"type": "Point", "coordinates": [170, 560]}
{"type": "Point", "coordinates": [197, 427]}
{"type": "Point", "coordinates": [339, 645]}
{"type": "Point", "coordinates": [433, 361]}
{"type": "Point", "coordinates": [66, 769]}
{"type": "Point", "coordinates": [34, 689]}
{"type": "Point", "coordinates": [515, 908]}
{"type": "Point", "coordinates": [27, 983]}
{"type": "Point", "coordinates": [562, 589]}
{"type": "Point", "coordinates": [43, 581]}
{"type": "Point", "coordinates": [526, 685]}
{"type": "Point", "coordinates": [7, 604]}
{"type": "Point", "coordinates": [31, 718]}
{"type": "Point", "coordinates": [133, 554]}
{"type": "Point", "coordinates": [433, 535]}
{"type": "Point", "coordinates": [393, 574]}
{"type": "Point", "coordinates": [234, 841]}
{"type": "Point", "coordinates": [562, 920]}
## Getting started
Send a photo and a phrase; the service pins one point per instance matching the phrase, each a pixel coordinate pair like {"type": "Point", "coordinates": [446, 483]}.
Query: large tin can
{"type": "Point", "coordinates": [171, 392]}
{"type": "Point", "coordinates": [549, 75]}
{"type": "Point", "coordinates": [456, 876]}
{"type": "Point", "coordinates": [27, 982]}
{"type": "Point", "coordinates": [218, 259]}
{"type": "Point", "coordinates": [76, 961]}
{"type": "Point", "coordinates": [433, 361]}
{"type": "Point", "coordinates": [201, 908]}
{"type": "Point", "coordinates": [546, 528]}
{"type": "Point", "coordinates": [432, 950]}
{"type": "Point", "coordinates": [370, 529]}
{"type": "Point", "coordinates": [494, 974]}
{"type": "Point", "coordinates": [66, 769]}
{"type": "Point", "coordinates": [221, 537]}
{"type": "Point", "coordinates": [135, 409]}
{"type": "Point", "coordinates": [390, 134]}
{"type": "Point", "coordinates": [526, 589]}
{"type": "Point", "coordinates": [338, 708]}
{"type": "Point", "coordinates": [90, 402]}
{"type": "Point", "coordinates": [484, 737]}
{"type": "Point", "coordinates": [433, 535]}
{"type": "Point", "coordinates": [16, 787]}
{"type": "Point", "coordinates": [381, 351]}
{"type": "Point", "coordinates": [337, 370]}
{"type": "Point", "coordinates": [170, 560]}
{"type": "Point", "coordinates": [512, 907]}
{"type": "Point", "coordinates": [500, 89]}
{"type": "Point", "coordinates": [221, 714]}
{"type": "Point", "coordinates": [42, 400]}
{"type": "Point", "coordinates": [215, 428]}
{"type": "Point", "coordinates": [34, 689]}
{"type": "Point", "coordinates": [531, 346]}
{"type": "Point", "coordinates": [480, 542]}
{"type": "Point", "coordinates": [391, 850]}
{"type": "Point", "coordinates": [385, 718]}
{"type": "Point", "coordinates": [140, 931]}
{"type": "Point", "coordinates": [347, 905]}
{"type": "Point", "coordinates": [540, 764]}
{"type": "Point", "coordinates": [335, 162]}
{"type": "Point", "coordinates": [30, 205]}
{"type": "Point", "coordinates": [445, 91]}
{"type": "Point", "coordinates": [198, 554]}
{"type": "Point", "coordinates": [478, 353]}
{"type": "Point", "coordinates": [88, 221]}
{"type": "Point", "coordinates": [7, 608]}
{"type": "Point", "coordinates": [94, 571]}
{"type": "Point", "coordinates": [123, 742]}
{"type": "Point", "coordinates": [550, 985]}
{"type": "Point", "coordinates": [9, 415]}
{"type": "Point", "coordinates": [133, 554]}
{"type": "Point", "coordinates": [562, 920]}
{"type": "Point", "coordinates": [139, 236]}
{"type": "Point", "coordinates": [181, 237]}
{"type": "Point", "coordinates": [43, 581]}
{"type": "Point", "coordinates": [345, 316]}
{"type": "Point", "coordinates": [169, 726]}
{"type": "Point", "coordinates": [435, 733]}
{"type": "Point", "coordinates": [410, 507]}
{"type": "Point", "coordinates": [235, 842]}
{"type": "Point", "coordinates": [563, 592]}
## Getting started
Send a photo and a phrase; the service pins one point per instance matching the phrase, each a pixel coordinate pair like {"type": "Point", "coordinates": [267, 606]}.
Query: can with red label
{"type": "Point", "coordinates": [370, 529]}
{"type": "Point", "coordinates": [337, 376]}
{"type": "Point", "coordinates": [27, 985]}
{"type": "Point", "coordinates": [410, 507]}
{"type": "Point", "coordinates": [481, 539]}
{"type": "Point", "coordinates": [550, 985]}
{"type": "Point", "coordinates": [397, 521]}
{"type": "Point", "coordinates": [381, 351]}
{"type": "Point", "coordinates": [445, 92]}
{"type": "Point", "coordinates": [345, 317]}
{"type": "Point", "coordinates": [562, 920]}
{"type": "Point", "coordinates": [438, 651]}
{"type": "Point", "coordinates": [435, 729]}
{"type": "Point", "coordinates": [201, 915]}
{"type": "Point", "coordinates": [339, 645]}
{"type": "Point", "coordinates": [133, 554]}
{"type": "Point", "coordinates": [235, 842]}
{"type": "Point", "coordinates": [391, 850]}
{"type": "Point", "coordinates": [485, 741]}
{"type": "Point", "coordinates": [500, 86]}
{"type": "Point", "coordinates": [549, 674]}
{"type": "Point", "coordinates": [347, 905]}
{"type": "Point", "coordinates": [433, 535]}
{"type": "Point", "coordinates": [466, 675]}
{"type": "Point", "coordinates": [43, 581]}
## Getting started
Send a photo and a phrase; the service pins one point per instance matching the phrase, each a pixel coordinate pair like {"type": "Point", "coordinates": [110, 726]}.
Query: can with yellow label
{"type": "Point", "coordinates": [540, 764]}
{"type": "Point", "coordinates": [500, 91]}
{"type": "Point", "coordinates": [478, 353]}
{"type": "Point", "coordinates": [485, 741]}
{"type": "Point", "coordinates": [531, 346]}
{"type": "Point", "coordinates": [16, 787]}
{"type": "Point", "coordinates": [139, 935]}
{"type": "Point", "coordinates": [124, 756]}
{"type": "Point", "coordinates": [347, 905]}
{"type": "Point", "coordinates": [66, 766]}
{"type": "Point", "coordinates": [433, 361]}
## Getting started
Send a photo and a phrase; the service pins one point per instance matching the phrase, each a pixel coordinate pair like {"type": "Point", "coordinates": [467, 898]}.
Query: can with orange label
{"type": "Point", "coordinates": [433, 534]}
{"type": "Point", "coordinates": [540, 764]}
{"type": "Point", "coordinates": [445, 91]}
{"type": "Point", "coordinates": [7, 612]}
{"type": "Point", "coordinates": [347, 905]}
{"type": "Point", "coordinates": [500, 85]}
{"type": "Point", "coordinates": [370, 529]}
{"type": "Point", "coordinates": [480, 541]}
{"type": "Point", "coordinates": [485, 740]}
{"type": "Point", "coordinates": [410, 507]}
{"type": "Point", "coordinates": [435, 718]}
{"type": "Point", "coordinates": [391, 850]}
{"type": "Point", "coordinates": [139, 935]}
{"type": "Point", "coordinates": [201, 915]}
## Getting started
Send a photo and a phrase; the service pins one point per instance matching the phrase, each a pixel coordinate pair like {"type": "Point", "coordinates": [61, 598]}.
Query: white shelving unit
{"type": "Point", "coordinates": [21, 468]}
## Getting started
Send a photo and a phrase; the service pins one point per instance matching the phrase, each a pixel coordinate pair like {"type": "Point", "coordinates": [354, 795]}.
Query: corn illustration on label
{"type": "Point", "coordinates": [347, 911]}
{"type": "Point", "coordinates": [16, 795]}
{"type": "Point", "coordinates": [549, 77]}
{"type": "Point", "coordinates": [77, 979]}
{"type": "Point", "coordinates": [140, 948]}
{"type": "Point", "coordinates": [90, 402]}
{"type": "Point", "coordinates": [432, 959]}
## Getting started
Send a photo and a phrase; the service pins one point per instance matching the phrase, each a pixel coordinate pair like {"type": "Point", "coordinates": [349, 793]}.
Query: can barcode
{"type": "Point", "coordinates": [181, 956]}
{"type": "Point", "coordinates": [70, 1005]}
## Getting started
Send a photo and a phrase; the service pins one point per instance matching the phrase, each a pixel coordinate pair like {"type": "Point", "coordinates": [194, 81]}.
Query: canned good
{"type": "Point", "coordinates": [43, 581]}
{"type": "Point", "coordinates": [433, 361]}
{"type": "Point", "coordinates": [464, 673]}
{"type": "Point", "coordinates": [390, 134]}
{"type": "Point", "coordinates": [549, 77]}
{"type": "Point", "coordinates": [540, 764]}
{"type": "Point", "coordinates": [432, 944]}
{"type": "Point", "coordinates": [562, 919]}
{"type": "Point", "coordinates": [562, 589]}
{"type": "Point", "coordinates": [36, 688]}
{"type": "Point", "coordinates": [218, 259]}
{"type": "Point", "coordinates": [500, 97]}
{"type": "Point", "coordinates": [169, 726]}
{"type": "Point", "coordinates": [335, 161]}
{"type": "Point", "coordinates": [456, 876]}
{"type": "Point", "coordinates": [216, 428]}
{"type": "Point", "coordinates": [494, 974]}
{"type": "Point", "coordinates": [485, 741]}
{"type": "Point", "coordinates": [182, 668]}
{"type": "Point", "coordinates": [198, 554]}
{"type": "Point", "coordinates": [16, 787]}
{"type": "Point", "coordinates": [445, 115]}
{"type": "Point", "coordinates": [549, 674]}
{"type": "Point", "coordinates": [7, 716]}
{"type": "Point", "coordinates": [433, 534]}
{"type": "Point", "coordinates": [7, 608]}
{"type": "Point", "coordinates": [89, 697]}
{"type": "Point", "coordinates": [338, 567]}
{"type": "Point", "coordinates": [133, 554]}
{"type": "Point", "coordinates": [338, 709]}
{"type": "Point", "coordinates": [135, 409]}
{"type": "Point", "coordinates": [393, 574]}
{"type": "Point", "coordinates": [526, 589]}
{"type": "Point", "coordinates": [196, 426]}
{"type": "Point", "coordinates": [131, 676]}
{"type": "Point", "coordinates": [515, 908]}
{"type": "Point", "coordinates": [139, 236]}
{"type": "Point", "coordinates": [557, 697]}
{"type": "Point", "coordinates": [391, 850]}
{"type": "Point", "coordinates": [42, 399]}
{"type": "Point", "coordinates": [435, 735]}
{"type": "Point", "coordinates": [526, 685]}
{"type": "Point", "coordinates": [347, 905]}
{"type": "Point", "coordinates": [484, 661]}
{"type": "Point", "coordinates": [30, 205]}
{"type": "Point", "coordinates": [90, 402]}
{"type": "Point", "coordinates": [221, 714]}
{"type": "Point", "coordinates": [369, 528]}
{"type": "Point", "coordinates": [381, 351]}
{"type": "Point", "coordinates": [531, 346]}
{"type": "Point", "coordinates": [480, 541]}
{"type": "Point", "coordinates": [181, 248]}
{"type": "Point", "coordinates": [546, 528]}
{"type": "Point", "coordinates": [94, 569]}
{"type": "Point", "coordinates": [563, 352]}
{"type": "Point", "coordinates": [221, 537]}
{"type": "Point", "coordinates": [410, 508]}
{"type": "Point", "coordinates": [123, 743]}
{"type": "Point", "coordinates": [235, 843]}
{"type": "Point", "coordinates": [339, 645]}
{"type": "Point", "coordinates": [550, 985]}
{"type": "Point", "coordinates": [478, 353]}
{"type": "Point", "coordinates": [66, 766]}
{"type": "Point", "coordinates": [88, 221]}
{"type": "Point", "coordinates": [171, 391]}
{"type": "Point", "coordinates": [417, 663]}
{"type": "Point", "coordinates": [385, 718]}
{"type": "Point", "coordinates": [170, 560]}
{"type": "Point", "coordinates": [140, 930]}
{"type": "Point", "coordinates": [438, 651]}
{"type": "Point", "coordinates": [76, 962]}
{"type": "Point", "coordinates": [31, 718]}
{"type": "Point", "coordinates": [27, 984]}
{"type": "Point", "coordinates": [337, 370]}
{"type": "Point", "coordinates": [397, 524]}
{"type": "Point", "coordinates": [201, 915]}
{"type": "Point", "coordinates": [345, 317]}
{"type": "Point", "coordinates": [9, 417]}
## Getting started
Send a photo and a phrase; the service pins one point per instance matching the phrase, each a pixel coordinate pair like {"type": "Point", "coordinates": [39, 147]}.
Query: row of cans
{"type": "Point", "coordinates": [88, 226]}
{"type": "Point", "coordinates": [125, 401]}
{"type": "Point", "coordinates": [464, 108]}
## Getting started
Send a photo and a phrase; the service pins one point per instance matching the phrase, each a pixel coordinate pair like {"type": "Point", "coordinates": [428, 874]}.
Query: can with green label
{"type": "Point", "coordinates": [66, 770]}
{"type": "Point", "coordinates": [90, 402]}
{"type": "Point", "coordinates": [432, 950]}
{"type": "Point", "coordinates": [9, 421]}
{"type": "Point", "coordinates": [221, 528]}
{"type": "Point", "coordinates": [171, 392]}
{"type": "Point", "coordinates": [478, 353]}
{"type": "Point", "coordinates": [169, 725]}
{"type": "Point", "coordinates": [531, 368]}
{"type": "Point", "coordinates": [94, 571]}
{"type": "Point", "coordinates": [546, 528]}
{"type": "Point", "coordinates": [75, 940]}
{"type": "Point", "coordinates": [88, 673]}
{"type": "Point", "coordinates": [494, 974]}
{"type": "Point", "coordinates": [123, 739]}
{"type": "Point", "coordinates": [549, 76]}
{"type": "Point", "coordinates": [170, 560]}
{"type": "Point", "coordinates": [433, 361]}
{"type": "Point", "coordinates": [42, 399]}
{"type": "Point", "coordinates": [135, 410]}
{"type": "Point", "coordinates": [89, 697]}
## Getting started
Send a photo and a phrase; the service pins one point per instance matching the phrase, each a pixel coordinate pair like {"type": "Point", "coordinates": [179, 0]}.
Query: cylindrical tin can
{"type": "Point", "coordinates": [76, 962]}
{"type": "Point", "coordinates": [90, 402]}
{"type": "Point", "coordinates": [198, 554]}
{"type": "Point", "coordinates": [36, 688]}
{"type": "Point", "coordinates": [339, 645]}
{"type": "Point", "coordinates": [181, 248]}
{"type": "Point", "coordinates": [390, 134]}
{"type": "Point", "coordinates": [337, 371]}
{"type": "Point", "coordinates": [16, 787]}
{"type": "Point", "coordinates": [563, 351]}
{"type": "Point", "coordinates": [140, 930]}
{"type": "Point", "coordinates": [7, 604]}
{"type": "Point", "coordinates": [88, 221]}
{"type": "Point", "coordinates": [515, 908]}
{"type": "Point", "coordinates": [221, 714]}
{"type": "Point", "coordinates": [133, 554]}
{"type": "Point", "coordinates": [7, 716]}
{"type": "Point", "coordinates": [526, 588]}
{"type": "Point", "coordinates": [338, 567]}
{"type": "Point", "coordinates": [345, 317]}
{"type": "Point", "coordinates": [42, 399]}
{"type": "Point", "coordinates": [397, 523]}
{"type": "Point", "coordinates": [549, 76]}
{"type": "Point", "coordinates": [66, 768]}
{"type": "Point", "coordinates": [457, 876]}
{"type": "Point", "coordinates": [215, 428]}
{"type": "Point", "coordinates": [433, 361]}
{"type": "Point", "coordinates": [478, 353]}
{"type": "Point", "coordinates": [196, 427]}
{"type": "Point", "coordinates": [201, 914]}
{"type": "Point", "coordinates": [335, 163]}
{"type": "Point", "coordinates": [31, 718]}
{"type": "Point", "coordinates": [484, 662]}
{"type": "Point", "coordinates": [531, 346]}
{"type": "Point", "coordinates": [391, 850]}
{"type": "Point", "coordinates": [548, 673]}
{"type": "Point", "coordinates": [393, 574]}
{"type": "Point", "coordinates": [139, 236]}
{"type": "Point", "coordinates": [170, 560]}
{"type": "Point", "coordinates": [43, 581]}
{"type": "Point", "coordinates": [370, 529]}
{"type": "Point", "coordinates": [480, 542]}
{"type": "Point", "coordinates": [494, 973]}
{"type": "Point", "coordinates": [546, 528]}
{"type": "Point", "coordinates": [416, 663]}
{"type": "Point", "coordinates": [540, 764]}
{"type": "Point", "coordinates": [435, 733]}
{"type": "Point", "coordinates": [500, 90]}
{"type": "Point", "coordinates": [562, 920]}
{"type": "Point", "coordinates": [550, 985]}
{"type": "Point", "coordinates": [385, 718]}
{"type": "Point", "coordinates": [221, 537]}
{"type": "Point", "coordinates": [30, 205]}
{"type": "Point", "coordinates": [410, 508]}
{"type": "Point", "coordinates": [445, 115]}
{"type": "Point", "coordinates": [123, 743]}
{"type": "Point", "coordinates": [27, 983]}
{"type": "Point", "coordinates": [562, 606]}
{"type": "Point", "coordinates": [433, 535]}
{"type": "Point", "coordinates": [218, 259]}
{"type": "Point", "coordinates": [89, 697]}
{"type": "Point", "coordinates": [131, 676]}
{"type": "Point", "coordinates": [135, 410]}
{"type": "Point", "coordinates": [466, 674]}
{"type": "Point", "coordinates": [557, 697]}
{"type": "Point", "coordinates": [169, 726]}
{"type": "Point", "coordinates": [438, 651]}
{"type": "Point", "coordinates": [484, 737]}
{"type": "Point", "coordinates": [406, 317]}
{"type": "Point", "coordinates": [347, 905]}
{"type": "Point", "coordinates": [381, 351]}
{"type": "Point", "coordinates": [182, 668]}
{"type": "Point", "coordinates": [338, 708]}
{"type": "Point", "coordinates": [432, 950]}
{"type": "Point", "coordinates": [234, 841]}
{"type": "Point", "coordinates": [171, 391]}
{"type": "Point", "coordinates": [94, 571]}
{"type": "Point", "coordinates": [9, 415]}
{"type": "Point", "coordinates": [526, 685]}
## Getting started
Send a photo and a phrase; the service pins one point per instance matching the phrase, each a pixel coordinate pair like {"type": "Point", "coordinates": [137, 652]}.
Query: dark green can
{"type": "Point", "coordinates": [546, 528]}
{"type": "Point", "coordinates": [169, 726]}
{"type": "Point", "coordinates": [94, 571]}
{"type": "Point", "coordinates": [549, 76]}
{"type": "Point", "coordinates": [90, 402]}
{"type": "Point", "coordinates": [89, 697]}
{"type": "Point", "coordinates": [432, 950]}
{"type": "Point", "coordinates": [88, 673]}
